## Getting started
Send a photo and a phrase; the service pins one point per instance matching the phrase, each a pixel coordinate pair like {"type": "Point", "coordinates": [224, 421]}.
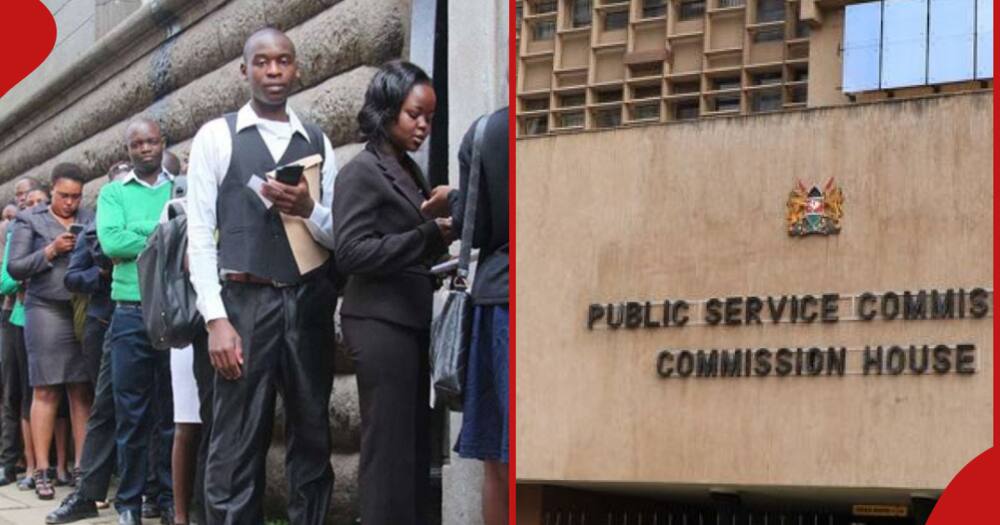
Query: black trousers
{"type": "Point", "coordinates": [11, 447]}
{"type": "Point", "coordinates": [204, 376]}
{"type": "Point", "coordinates": [393, 373]}
{"type": "Point", "coordinates": [97, 461]}
{"type": "Point", "coordinates": [16, 393]}
{"type": "Point", "coordinates": [287, 336]}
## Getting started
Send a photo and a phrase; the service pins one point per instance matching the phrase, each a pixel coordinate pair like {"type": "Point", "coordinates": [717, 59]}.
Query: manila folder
{"type": "Point", "coordinates": [308, 253]}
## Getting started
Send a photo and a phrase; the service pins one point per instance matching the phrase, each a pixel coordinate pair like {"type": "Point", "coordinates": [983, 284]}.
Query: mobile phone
{"type": "Point", "coordinates": [76, 229]}
{"type": "Point", "coordinates": [290, 174]}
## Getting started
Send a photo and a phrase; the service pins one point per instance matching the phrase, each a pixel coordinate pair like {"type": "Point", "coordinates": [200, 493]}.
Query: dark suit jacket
{"type": "Point", "coordinates": [83, 275]}
{"type": "Point", "coordinates": [385, 245]}
{"type": "Point", "coordinates": [34, 229]}
{"type": "Point", "coordinates": [491, 233]}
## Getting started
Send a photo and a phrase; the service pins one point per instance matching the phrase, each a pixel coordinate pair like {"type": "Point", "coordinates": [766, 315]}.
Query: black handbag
{"type": "Point", "coordinates": [451, 330]}
{"type": "Point", "coordinates": [169, 310]}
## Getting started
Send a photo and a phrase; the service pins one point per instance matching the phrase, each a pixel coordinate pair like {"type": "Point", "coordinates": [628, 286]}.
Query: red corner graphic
{"type": "Point", "coordinates": [972, 496]}
{"type": "Point", "coordinates": [28, 32]}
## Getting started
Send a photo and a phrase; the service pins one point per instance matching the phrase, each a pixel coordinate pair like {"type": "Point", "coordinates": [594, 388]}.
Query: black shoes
{"type": "Point", "coordinates": [167, 517]}
{"type": "Point", "coordinates": [7, 476]}
{"type": "Point", "coordinates": [75, 476]}
{"type": "Point", "coordinates": [150, 509]}
{"type": "Point", "coordinates": [73, 508]}
{"type": "Point", "coordinates": [129, 517]}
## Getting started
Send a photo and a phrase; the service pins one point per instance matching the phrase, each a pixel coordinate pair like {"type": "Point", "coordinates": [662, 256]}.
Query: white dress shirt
{"type": "Point", "coordinates": [161, 179]}
{"type": "Point", "coordinates": [208, 163]}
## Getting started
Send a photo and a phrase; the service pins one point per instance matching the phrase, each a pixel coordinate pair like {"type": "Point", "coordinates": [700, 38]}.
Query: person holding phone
{"type": "Point", "coordinates": [39, 255]}
{"type": "Point", "coordinates": [270, 327]}
{"type": "Point", "coordinates": [386, 247]}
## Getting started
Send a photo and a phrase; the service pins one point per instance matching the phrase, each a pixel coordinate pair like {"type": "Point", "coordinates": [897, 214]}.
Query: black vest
{"type": "Point", "coordinates": [251, 237]}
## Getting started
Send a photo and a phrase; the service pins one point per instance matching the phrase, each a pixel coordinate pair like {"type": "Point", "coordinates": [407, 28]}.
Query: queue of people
{"type": "Point", "coordinates": [187, 430]}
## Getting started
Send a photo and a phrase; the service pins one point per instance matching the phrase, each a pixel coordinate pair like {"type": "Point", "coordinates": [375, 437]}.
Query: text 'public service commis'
{"type": "Point", "coordinates": [889, 306]}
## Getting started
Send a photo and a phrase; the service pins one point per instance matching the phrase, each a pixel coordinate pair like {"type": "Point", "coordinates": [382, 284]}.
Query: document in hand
{"type": "Point", "coordinates": [308, 253]}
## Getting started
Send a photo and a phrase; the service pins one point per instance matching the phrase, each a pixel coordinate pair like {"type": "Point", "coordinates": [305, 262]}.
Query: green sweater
{"type": "Point", "coordinates": [127, 214]}
{"type": "Point", "coordinates": [9, 286]}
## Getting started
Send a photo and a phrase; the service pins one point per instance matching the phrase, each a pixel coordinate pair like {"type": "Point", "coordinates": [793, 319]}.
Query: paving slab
{"type": "Point", "coordinates": [23, 508]}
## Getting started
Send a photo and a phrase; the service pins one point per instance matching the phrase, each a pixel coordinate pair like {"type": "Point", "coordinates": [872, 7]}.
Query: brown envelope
{"type": "Point", "coordinates": [308, 253]}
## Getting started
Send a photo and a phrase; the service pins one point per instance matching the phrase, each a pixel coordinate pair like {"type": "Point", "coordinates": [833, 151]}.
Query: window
{"type": "Point", "coordinates": [646, 69]}
{"type": "Point", "coordinates": [534, 104]}
{"type": "Point", "coordinates": [654, 8]}
{"type": "Point", "coordinates": [771, 34]}
{"type": "Point", "coordinates": [642, 92]}
{"type": "Point", "coordinates": [767, 79]}
{"type": "Point", "coordinates": [536, 125]}
{"type": "Point", "coordinates": [727, 83]}
{"type": "Point", "coordinates": [770, 10]}
{"type": "Point", "coordinates": [730, 3]}
{"type": "Point", "coordinates": [569, 101]}
{"type": "Point", "coordinates": [543, 30]}
{"type": "Point", "coordinates": [691, 9]}
{"type": "Point", "coordinates": [800, 75]}
{"type": "Point", "coordinates": [862, 45]}
{"type": "Point", "coordinates": [646, 112]}
{"type": "Point", "coordinates": [801, 29]}
{"type": "Point", "coordinates": [685, 87]}
{"type": "Point", "coordinates": [609, 95]}
{"type": "Point", "coordinates": [768, 101]}
{"type": "Point", "coordinates": [798, 95]}
{"type": "Point", "coordinates": [614, 20]}
{"type": "Point", "coordinates": [727, 104]}
{"type": "Point", "coordinates": [581, 13]}
{"type": "Point", "coordinates": [548, 6]}
{"type": "Point", "coordinates": [608, 118]}
{"type": "Point", "coordinates": [571, 120]}
{"type": "Point", "coordinates": [686, 110]}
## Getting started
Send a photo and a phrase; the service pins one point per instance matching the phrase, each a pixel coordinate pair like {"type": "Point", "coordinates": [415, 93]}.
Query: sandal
{"type": "Point", "coordinates": [27, 483]}
{"type": "Point", "coordinates": [43, 485]}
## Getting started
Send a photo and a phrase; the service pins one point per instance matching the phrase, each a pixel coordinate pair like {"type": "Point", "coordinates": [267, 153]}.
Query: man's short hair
{"type": "Point", "coordinates": [32, 182]}
{"type": "Point", "coordinates": [171, 163]}
{"type": "Point", "coordinates": [260, 32]}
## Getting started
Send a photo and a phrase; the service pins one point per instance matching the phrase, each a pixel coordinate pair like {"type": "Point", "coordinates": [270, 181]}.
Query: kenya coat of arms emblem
{"type": "Point", "coordinates": [812, 210]}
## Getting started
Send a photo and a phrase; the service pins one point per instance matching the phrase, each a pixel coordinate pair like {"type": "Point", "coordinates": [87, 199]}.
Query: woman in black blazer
{"type": "Point", "coordinates": [386, 246]}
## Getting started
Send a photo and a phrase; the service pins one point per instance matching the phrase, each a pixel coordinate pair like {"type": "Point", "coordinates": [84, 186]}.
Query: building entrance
{"type": "Point", "coordinates": [625, 504]}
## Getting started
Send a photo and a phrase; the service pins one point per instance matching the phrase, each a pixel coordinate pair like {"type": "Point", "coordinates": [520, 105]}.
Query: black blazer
{"type": "Point", "coordinates": [490, 235]}
{"type": "Point", "coordinates": [385, 245]}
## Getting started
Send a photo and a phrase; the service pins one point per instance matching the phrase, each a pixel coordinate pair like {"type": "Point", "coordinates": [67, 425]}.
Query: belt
{"type": "Point", "coordinates": [248, 278]}
{"type": "Point", "coordinates": [129, 303]}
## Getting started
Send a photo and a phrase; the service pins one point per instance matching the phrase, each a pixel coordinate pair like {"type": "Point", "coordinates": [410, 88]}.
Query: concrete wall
{"type": "Point", "coordinates": [697, 210]}
{"type": "Point", "coordinates": [75, 32]}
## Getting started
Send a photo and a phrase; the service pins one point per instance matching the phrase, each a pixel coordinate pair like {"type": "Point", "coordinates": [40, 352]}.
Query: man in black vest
{"type": "Point", "coordinates": [270, 327]}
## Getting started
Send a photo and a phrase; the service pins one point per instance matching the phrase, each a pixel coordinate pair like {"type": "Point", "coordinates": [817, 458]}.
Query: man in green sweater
{"type": "Point", "coordinates": [127, 213]}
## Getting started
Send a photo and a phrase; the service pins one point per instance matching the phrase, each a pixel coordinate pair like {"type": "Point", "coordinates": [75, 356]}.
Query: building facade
{"type": "Point", "coordinates": [178, 61]}
{"type": "Point", "coordinates": [762, 314]}
{"type": "Point", "coordinates": [591, 64]}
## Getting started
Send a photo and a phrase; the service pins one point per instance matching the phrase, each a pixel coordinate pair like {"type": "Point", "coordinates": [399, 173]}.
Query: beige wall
{"type": "Point", "coordinates": [697, 210]}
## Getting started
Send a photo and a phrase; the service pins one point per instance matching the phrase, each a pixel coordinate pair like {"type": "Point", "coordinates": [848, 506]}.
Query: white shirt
{"type": "Point", "coordinates": [161, 179]}
{"type": "Point", "coordinates": [208, 163]}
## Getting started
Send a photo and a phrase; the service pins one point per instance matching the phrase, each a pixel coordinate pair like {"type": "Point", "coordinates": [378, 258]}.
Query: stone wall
{"type": "Point", "coordinates": [183, 69]}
